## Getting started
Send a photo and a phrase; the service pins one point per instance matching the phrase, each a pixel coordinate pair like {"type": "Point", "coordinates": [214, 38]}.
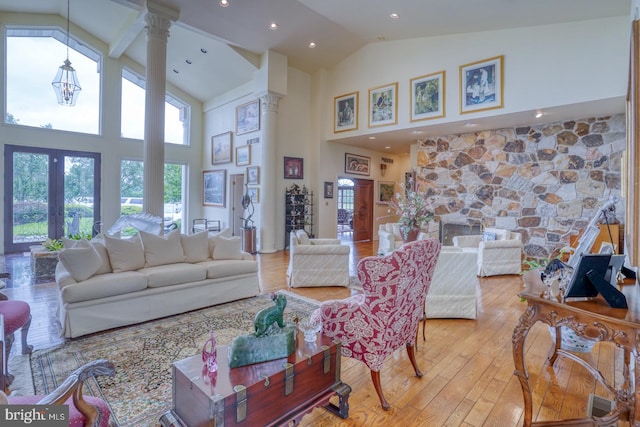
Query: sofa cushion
{"type": "Point", "coordinates": [501, 234]}
{"type": "Point", "coordinates": [227, 248]}
{"type": "Point", "coordinates": [104, 285]}
{"type": "Point", "coordinates": [105, 267]}
{"type": "Point", "coordinates": [195, 247]}
{"type": "Point", "coordinates": [162, 250]}
{"type": "Point", "coordinates": [217, 269]}
{"type": "Point", "coordinates": [173, 274]}
{"type": "Point", "coordinates": [81, 260]}
{"type": "Point", "coordinates": [125, 254]}
{"type": "Point", "coordinates": [303, 238]}
{"type": "Point", "coordinates": [212, 239]}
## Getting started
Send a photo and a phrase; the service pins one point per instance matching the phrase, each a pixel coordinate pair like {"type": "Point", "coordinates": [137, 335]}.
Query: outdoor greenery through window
{"type": "Point", "coordinates": [345, 194]}
{"type": "Point", "coordinates": [131, 189]}
{"type": "Point", "coordinates": [33, 56]}
{"type": "Point", "coordinates": [176, 115]}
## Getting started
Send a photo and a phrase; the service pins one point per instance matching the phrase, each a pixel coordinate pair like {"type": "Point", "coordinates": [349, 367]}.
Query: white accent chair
{"type": "Point", "coordinates": [499, 251]}
{"type": "Point", "coordinates": [453, 287]}
{"type": "Point", "coordinates": [317, 262]}
{"type": "Point", "coordinates": [389, 238]}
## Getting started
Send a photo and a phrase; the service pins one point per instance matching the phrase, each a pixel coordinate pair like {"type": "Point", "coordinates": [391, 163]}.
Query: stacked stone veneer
{"type": "Point", "coordinates": [545, 181]}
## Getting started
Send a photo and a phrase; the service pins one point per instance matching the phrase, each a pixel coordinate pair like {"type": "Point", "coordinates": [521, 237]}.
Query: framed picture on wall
{"type": "Point", "coordinates": [385, 191]}
{"type": "Point", "coordinates": [358, 165]}
{"type": "Point", "coordinates": [328, 190]}
{"type": "Point", "coordinates": [213, 187]}
{"type": "Point", "coordinates": [243, 155]}
{"type": "Point", "coordinates": [254, 193]}
{"type": "Point", "coordinates": [248, 117]}
{"type": "Point", "coordinates": [427, 97]}
{"type": "Point", "coordinates": [481, 84]}
{"type": "Point", "coordinates": [383, 105]}
{"type": "Point", "coordinates": [345, 112]}
{"type": "Point", "coordinates": [221, 148]}
{"type": "Point", "coordinates": [253, 175]}
{"type": "Point", "coordinates": [293, 168]}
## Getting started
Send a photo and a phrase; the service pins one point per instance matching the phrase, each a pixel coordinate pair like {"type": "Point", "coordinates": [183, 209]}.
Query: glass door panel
{"type": "Point", "coordinates": [54, 193]}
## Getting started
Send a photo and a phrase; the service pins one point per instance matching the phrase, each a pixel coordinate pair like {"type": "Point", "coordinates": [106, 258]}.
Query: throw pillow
{"type": "Point", "coordinates": [105, 267]}
{"type": "Point", "coordinates": [488, 236]}
{"type": "Point", "coordinates": [227, 248]}
{"type": "Point", "coordinates": [303, 238]}
{"type": "Point", "coordinates": [196, 246]}
{"type": "Point", "coordinates": [162, 250]}
{"type": "Point", "coordinates": [125, 254]}
{"type": "Point", "coordinates": [81, 261]}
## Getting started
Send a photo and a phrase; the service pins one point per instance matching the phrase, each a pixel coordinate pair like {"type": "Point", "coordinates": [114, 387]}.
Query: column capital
{"type": "Point", "coordinates": [158, 19]}
{"type": "Point", "coordinates": [269, 102]}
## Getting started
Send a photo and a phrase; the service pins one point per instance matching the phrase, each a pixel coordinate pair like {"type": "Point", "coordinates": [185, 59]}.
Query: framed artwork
{"type": "Point", "coordinates": [213, 187]}
{"type": "Point", "coordinates": [328, 190]}
{"type": "Point", "coordinates": [385, 191]}
{"type": "Point", "coordinates": [254, 193]}
{"type": "Point", "coordinates": [243, 155]}
{"type": "Point", "coordinates": [383, 105]}
{"type": "Point", "coordinates": [248, 117]}
{"type": "Point", "coordinates": [358, 165]}
{"type": "Point", "coordinates": [481, 85]}
{"type": "Point", "coordinates": [427, 96]}
{"type": "Point", "coordinates": [253, 175]}
{"type": "Point", "coordinates": [345, 112]}
{"type": "Point", "coordinates": [293, 168]}
{"type": "Point", "coordinates": [221, 148]}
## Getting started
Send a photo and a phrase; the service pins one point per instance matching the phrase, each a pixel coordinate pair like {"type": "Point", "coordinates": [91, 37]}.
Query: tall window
{"type": "Point", "coordinates": [131, 177]}
{"type": "Point", "coordinates": [176, 113]}
{"type": "Point", "coordinates": [345, 194]}
{"type": "Point", "coordinates": [33, 56]}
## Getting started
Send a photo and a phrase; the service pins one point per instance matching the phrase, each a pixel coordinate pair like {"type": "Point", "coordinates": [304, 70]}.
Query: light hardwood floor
{"type": "Point", "coordinates": [467, 364]}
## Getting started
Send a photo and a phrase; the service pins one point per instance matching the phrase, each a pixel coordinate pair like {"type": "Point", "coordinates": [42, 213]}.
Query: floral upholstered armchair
{"type": "Point", "coordinates": [372, 325]}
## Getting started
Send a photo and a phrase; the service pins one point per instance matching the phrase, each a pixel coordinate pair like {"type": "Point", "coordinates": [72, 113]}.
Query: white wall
{"type": "Point", "coordinates": [544, 66]}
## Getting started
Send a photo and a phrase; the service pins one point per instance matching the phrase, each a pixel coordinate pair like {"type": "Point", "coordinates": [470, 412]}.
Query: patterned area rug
{"type": "Point", "coordinates": [140, 392]}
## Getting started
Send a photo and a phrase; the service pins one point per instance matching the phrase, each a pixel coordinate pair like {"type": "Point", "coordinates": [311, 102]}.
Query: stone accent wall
{"type": "Point", "coordinates": [545, 181]}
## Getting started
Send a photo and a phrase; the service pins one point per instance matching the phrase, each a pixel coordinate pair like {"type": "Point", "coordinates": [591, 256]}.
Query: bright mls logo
{"type": "Point", "coordinates": [34, 415]}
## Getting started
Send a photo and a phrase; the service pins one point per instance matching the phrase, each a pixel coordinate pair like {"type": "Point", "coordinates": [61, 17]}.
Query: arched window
{"type": "Point", "coordinates": [345, 194]}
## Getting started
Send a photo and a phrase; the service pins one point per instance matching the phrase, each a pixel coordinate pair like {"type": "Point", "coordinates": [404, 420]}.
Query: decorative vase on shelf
{"type": "Point", "coordinates": [410, 235]}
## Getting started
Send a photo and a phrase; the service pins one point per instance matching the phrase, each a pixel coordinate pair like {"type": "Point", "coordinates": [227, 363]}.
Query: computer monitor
{"type": "Point", "coordinates": [614, 268]}
{"type": "Point", "coordinates": [580, 286]}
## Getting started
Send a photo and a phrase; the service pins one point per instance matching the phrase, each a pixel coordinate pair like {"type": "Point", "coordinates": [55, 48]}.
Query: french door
{"type": "Point", "coordinates": [49, 194]}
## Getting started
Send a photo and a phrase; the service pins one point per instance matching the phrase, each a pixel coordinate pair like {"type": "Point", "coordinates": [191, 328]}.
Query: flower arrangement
{"type": "Point", "coordinates": [412, 207]}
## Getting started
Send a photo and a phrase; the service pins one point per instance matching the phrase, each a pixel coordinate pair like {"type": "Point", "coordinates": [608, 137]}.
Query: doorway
{"type": "Point", "coordinates": [355, 209]}
{"type": "Point", "coordinates": [53, 193]}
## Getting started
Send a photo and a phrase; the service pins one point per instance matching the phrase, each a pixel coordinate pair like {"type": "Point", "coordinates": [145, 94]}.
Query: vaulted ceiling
{"type": "Point", "coordinates": [233, 37]}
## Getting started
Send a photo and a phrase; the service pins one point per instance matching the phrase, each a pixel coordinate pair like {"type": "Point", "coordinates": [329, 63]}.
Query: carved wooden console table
{"type": "Point", "coordinates": [592, 319]}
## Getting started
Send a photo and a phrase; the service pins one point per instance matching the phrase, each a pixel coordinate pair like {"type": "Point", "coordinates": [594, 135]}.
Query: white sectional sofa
{"type": "Point", "coordinates": [111, 282]}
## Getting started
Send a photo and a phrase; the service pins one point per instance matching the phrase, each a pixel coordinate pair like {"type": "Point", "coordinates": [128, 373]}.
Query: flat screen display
{"type": "Point", "coordinates": [580, 286]}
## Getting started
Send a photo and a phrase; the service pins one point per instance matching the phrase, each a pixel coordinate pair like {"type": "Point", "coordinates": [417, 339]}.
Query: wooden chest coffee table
{"type": "Point", "coordinates": [264, 394]}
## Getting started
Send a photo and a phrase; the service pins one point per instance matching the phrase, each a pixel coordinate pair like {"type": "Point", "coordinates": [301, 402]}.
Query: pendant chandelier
{"type": "Point", "coordinates": [65, 84]}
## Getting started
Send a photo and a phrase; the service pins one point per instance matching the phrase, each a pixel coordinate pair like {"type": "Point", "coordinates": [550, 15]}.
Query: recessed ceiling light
{"type": "Point", "coordinates": [188, 61]}
{"type": "Point", "coordinates": [176, 71]}
{"type": "Point", "coordinates": [394, 15]}
{"type": "Point", "coordinates": [312, 45]}
{"type": "Point", "coordinates": [273, 26]}
{"type": "Point", "coordinates": [203, 50]}
{"type": "Point", "coordinates": [538, 115]}
{"type": "Point", "coordinates": [224, 3]}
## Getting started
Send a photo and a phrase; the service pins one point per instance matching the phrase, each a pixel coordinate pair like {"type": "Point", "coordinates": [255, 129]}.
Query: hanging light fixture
{"type": "Point", "coordinates": [65, 84]}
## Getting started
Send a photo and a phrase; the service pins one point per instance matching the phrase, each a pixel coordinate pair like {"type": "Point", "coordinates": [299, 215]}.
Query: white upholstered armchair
{"type": "Point", "coordinates": [317, 262]}
{"type": "Point", "coordinates": [499, 251]}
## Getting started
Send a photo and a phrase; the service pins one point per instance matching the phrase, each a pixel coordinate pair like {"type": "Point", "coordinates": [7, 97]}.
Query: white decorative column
{"type": "Point", "coordinates": [158, 20]}
{"type": "Point", "coordinates": [269, 112]}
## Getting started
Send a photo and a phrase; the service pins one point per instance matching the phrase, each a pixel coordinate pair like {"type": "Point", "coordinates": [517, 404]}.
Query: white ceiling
{"type": "Point", "coordinates": [235, 36]}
